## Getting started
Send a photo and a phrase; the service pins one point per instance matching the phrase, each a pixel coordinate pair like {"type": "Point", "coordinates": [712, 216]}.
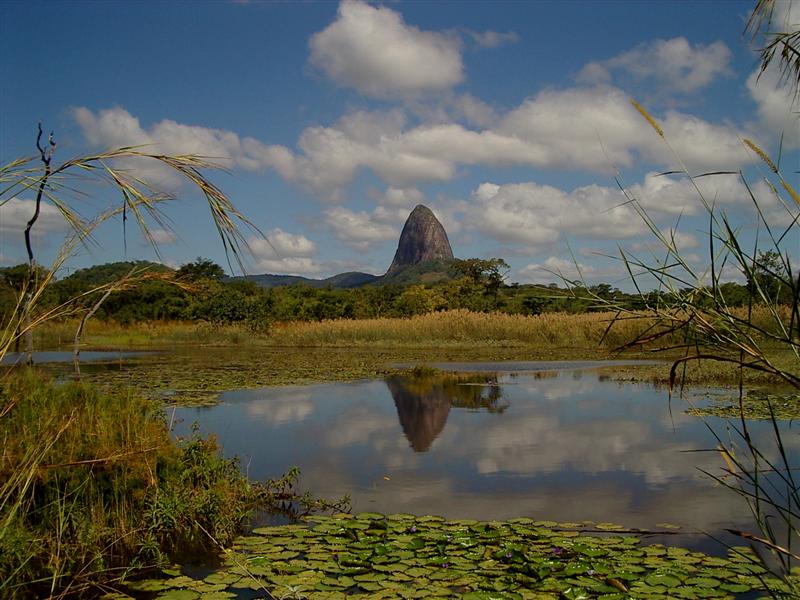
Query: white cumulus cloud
{"type": "Point", "coordinates": [116, 127]}
{"type": "Point", "coordinates": [359, 230]}
{"type": "Point", "coordinates": [16, 212]}
{"type": "Point", "coordinates": [674, 65]}
{"type": "Point", "coordinates": [284, 252]}
{"type": "Point", "coordinates": [397, 197]}
{"type": "Point", "coordinates": [290, 244]}
{"type": "Point", "coordinates": [556, 270]}
{"type": "Point", "coordinates": [493, 39]}
{"type": "Point", "coordinates": [373, 50]}
{"type": "Point", "coordinates": [535, 215]}
{"type": "Point", "coordinates": [163, 236]}
{"type": "Point", "coordinates": [777, 107]}
{"type": "Point", "coordinates": [580, 128]}
{"type": "Point", "coordinates": [679, 195]}
{"type": "Point", "coordinates": [530, 214]}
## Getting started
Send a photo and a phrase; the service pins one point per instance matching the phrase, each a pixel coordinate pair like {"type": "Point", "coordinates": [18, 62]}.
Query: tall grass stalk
{"type": "Point", "coordinates": [92, 484]}
{"type": "Point", "coordinates": [93, 487]}
{"type": "Point", "coordinates": [690, 315]}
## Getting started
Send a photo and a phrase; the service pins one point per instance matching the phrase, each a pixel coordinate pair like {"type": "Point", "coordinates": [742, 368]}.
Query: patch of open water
{"type": "Point", "coordinates": [60, 356]}
{"type": "Point", "coordinates": [561, 445]}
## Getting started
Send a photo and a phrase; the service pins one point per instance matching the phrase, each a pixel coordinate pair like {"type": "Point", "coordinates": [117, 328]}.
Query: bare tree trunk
{"type": "Point", "coordinates": [46, 156]}
{"type": "Point", "coordinates": [76, 348]}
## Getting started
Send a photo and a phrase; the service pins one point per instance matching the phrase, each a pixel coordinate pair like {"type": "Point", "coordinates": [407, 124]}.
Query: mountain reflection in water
{"type": "Point", "coordinates": [424, 402]}
{"type": "Point", "coordinates": [562, 446]}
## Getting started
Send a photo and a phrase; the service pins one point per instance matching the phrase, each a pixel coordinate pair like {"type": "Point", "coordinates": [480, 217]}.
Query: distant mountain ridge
{"type": "Point", "coordinates": [351, 279]}
{"type": "Point", "coordinates": [423, 255]}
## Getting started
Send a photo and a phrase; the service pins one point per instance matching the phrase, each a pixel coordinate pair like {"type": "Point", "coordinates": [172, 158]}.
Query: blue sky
{"type": "Point", "coordinates": [508, 119]}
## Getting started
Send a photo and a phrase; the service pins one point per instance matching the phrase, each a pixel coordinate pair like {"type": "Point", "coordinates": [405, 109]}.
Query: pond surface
{"type": "Point", "coordinates": [59, 356]}
{"type": "Point", "coordinates": [562, 445]}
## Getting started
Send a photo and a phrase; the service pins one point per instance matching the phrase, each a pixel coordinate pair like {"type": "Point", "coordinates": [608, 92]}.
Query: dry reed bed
{"type": "Point", "coordinates": [461, 327]}
{"type": "Point", "coordinates": [455, 328]}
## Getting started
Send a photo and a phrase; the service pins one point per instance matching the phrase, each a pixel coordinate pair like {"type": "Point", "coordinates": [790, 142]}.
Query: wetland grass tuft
{"type": "Point", "coordinates": [92, 487]}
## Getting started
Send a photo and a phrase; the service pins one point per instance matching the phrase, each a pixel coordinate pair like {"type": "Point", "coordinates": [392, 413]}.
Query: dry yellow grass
{"type": "Point", "coordinates": [452, 329]}
{"type": "Point", "coordinates": [462, 328]}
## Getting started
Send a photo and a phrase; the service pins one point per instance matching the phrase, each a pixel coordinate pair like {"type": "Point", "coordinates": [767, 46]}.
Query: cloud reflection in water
{"type": "Point", "coordinates": [560, 445]}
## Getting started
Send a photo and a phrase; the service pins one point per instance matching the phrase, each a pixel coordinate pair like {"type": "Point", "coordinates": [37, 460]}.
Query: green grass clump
{"type": "Point", "coordinates": [92, 486]}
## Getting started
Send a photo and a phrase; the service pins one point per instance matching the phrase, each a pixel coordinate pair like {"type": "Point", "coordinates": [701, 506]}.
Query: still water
{"type": "Point", "coordinates": [563, 445]}
{"type": "Point", "coordinates": [13, 358]}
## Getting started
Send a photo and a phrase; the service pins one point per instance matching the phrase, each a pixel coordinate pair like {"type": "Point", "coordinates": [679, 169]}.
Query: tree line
{"type": "Point", "coordinates": [200, 291]}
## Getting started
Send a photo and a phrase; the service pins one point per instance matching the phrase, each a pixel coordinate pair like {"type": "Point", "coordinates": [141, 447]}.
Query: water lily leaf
{"type": "Point", "coordinates": [430, 519]}
{"type": "Point", "coordinates": [369, 516]}
{"type": "Point", "coordinates": [577, 567]}
{"type": "Point", "coordinates": [180, 581]}
{"type": "Point", "coordinates": [575, 593]}
{"type": "Point", "coordinates": [669, 581]}
{"type": "Point", "coordinates": [401, 517]}
{"type": "Point", "coordinates": [420, 557]}
{"type": "Point", "coordinates": [178, 595]}
{"type": "Point", "coordinates": [736, 588]}
{"type": "Point", "coordinates": [616, 582]}
{"type": "Point", "coordinates": [370, 586]}
{"type": "Point", "coordinates": [490, 595]}
{"type": "Point", "coordinates": [706, 582]}
{"type": "Point", "coordinates": [148, 585]}
{"type": "Point", "coordinates": [417, 572]}
{"type": "Point", "coordinates": [593, 552]}
{"type": "Point", "coordinates": [282, 555]}
{"type": "Point", "coordinates": [416, 544]}
{"type": "Point", "coordinates": [610, 527]}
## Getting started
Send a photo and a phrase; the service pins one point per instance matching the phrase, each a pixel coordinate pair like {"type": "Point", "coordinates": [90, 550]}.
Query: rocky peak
{"type": "Point", "coordinates": [423, 239]}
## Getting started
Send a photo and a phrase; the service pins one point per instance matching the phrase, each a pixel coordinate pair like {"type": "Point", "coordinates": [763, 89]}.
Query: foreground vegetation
{"type": "Point", "coordinates": [108, 492]}
{"type": "Point", "coordinates": [301, 352]}
{"type": "Point", "coordinates": [200, 293]}
{"type": "Point", "coordinates": [93, 488]}
{"type": "Point", "coordinates": [406, 556]}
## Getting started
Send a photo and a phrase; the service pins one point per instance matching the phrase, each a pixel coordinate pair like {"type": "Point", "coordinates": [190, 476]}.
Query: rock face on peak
{"type": "Point", "coordinates": [423, 239]}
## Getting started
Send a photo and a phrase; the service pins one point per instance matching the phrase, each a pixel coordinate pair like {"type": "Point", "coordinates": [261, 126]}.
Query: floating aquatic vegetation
{"type": "Point", "coordinates": [196, 377]}
{"type": "Point", "coordinates": [406, 556]}
{"type": "Point", "coordinates": [756, 405]}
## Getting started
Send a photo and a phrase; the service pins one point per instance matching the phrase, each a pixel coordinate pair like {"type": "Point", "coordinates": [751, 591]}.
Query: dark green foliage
{"type": "Point", "coordinates": [428, 273]}
{"type": "Point", "coordinates": [347, 280]}
{"type": "Point", "coordinates": [12, 281]}
{"type": "Point", "coordinates": [199, 292]}
{"type": "Point", "coordinates": [201, 268]}
{"type": "Point", "coordinates": [223, 304]}
{"type": "Point", "coordinates": [771, 280]}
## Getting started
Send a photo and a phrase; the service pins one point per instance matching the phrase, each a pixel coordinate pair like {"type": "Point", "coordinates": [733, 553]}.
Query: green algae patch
{"type": "Point", "coordinates": [404, 556]}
